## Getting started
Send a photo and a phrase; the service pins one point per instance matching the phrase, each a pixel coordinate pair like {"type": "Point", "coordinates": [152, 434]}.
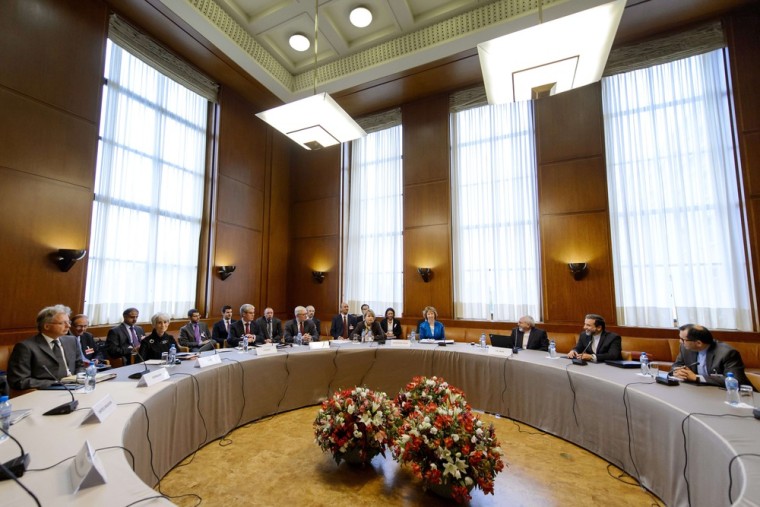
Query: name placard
{"type": "Point", "coordinates": [399, 343]}
{"type": "Point", "coordinates": [209, 360]}
{"type": "Point", "coordinates": [266, 350]}
{"type": "Point", "coordinates": [100, 410]}
{"type": "Point", "coordinates": [86, 470]}
{"type": "Point", "coordinates": [499, 351]}
{"type": "Point", "coordinates": [154, 377]}
{"type": "Point", "coordinates": [319, 345]}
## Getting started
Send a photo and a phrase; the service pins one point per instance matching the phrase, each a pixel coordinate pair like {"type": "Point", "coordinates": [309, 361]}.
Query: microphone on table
{"type": "Point", "coordinates": [16, 466]}
{"type": "Point", "coordinates": [580, 361]}
{"type": "Point", "coordinates": [64, 408]}
{"type": "Point", "coordinates": [139, 374]}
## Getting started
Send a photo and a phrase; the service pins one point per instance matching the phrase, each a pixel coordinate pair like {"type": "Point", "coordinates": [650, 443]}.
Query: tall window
{"type": "Point", "coordinates": [374, 251]}
{"type": "Point", "coordinates": [148, 193]}
{"type": "Point", "coordinates": [495, 213]}
{"type": "Point", "coordinates": [674, 198]}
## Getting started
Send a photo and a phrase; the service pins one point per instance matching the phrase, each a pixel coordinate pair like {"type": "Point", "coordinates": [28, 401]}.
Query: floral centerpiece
{"type": "Point", "coordinates": [354, 424]}
{"type": "Point", "coordinates": [447, 446]}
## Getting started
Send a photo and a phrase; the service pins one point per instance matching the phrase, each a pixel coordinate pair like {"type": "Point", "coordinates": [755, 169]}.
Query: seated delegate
{"type": "Point", "coordinates": [158, 341]}
{"type": "Point", "coordinates": [390, 326]}
{"type": "Point", "coordinates": [369, 329]}
{"type": "Point", "coordinates": [701, 356]}
{"type": "Point", "coordinates": [527, 336]}
{"type": "Point", "coordinates": [595, 343]}
{"type": "Point", "coordinates": [430, 327]}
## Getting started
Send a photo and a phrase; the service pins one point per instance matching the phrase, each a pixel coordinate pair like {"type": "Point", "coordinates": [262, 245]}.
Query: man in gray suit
{"type": "Point", "coordinates": [51, 348]}
{"type": "Point", "coordinates": [195, 334]}
{"type": "Point", "coordinates": [702, 356]}
{"type": "Point", "coordinates": [270, 326]}
{"type": "Point", "coordinates": [301, 324]}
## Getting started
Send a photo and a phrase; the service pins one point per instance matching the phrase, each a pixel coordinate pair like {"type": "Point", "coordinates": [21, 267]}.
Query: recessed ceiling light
{"type": "Point", "coordinates": [360, 17]}
{"type": "Point", "coordinates": [299, 42]}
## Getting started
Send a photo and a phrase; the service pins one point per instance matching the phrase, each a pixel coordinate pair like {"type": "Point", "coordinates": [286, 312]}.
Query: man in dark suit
{"type": "Point", "coordinates": [527, 336]}
{"type": "Point", "coordinates": [245, 328]}
{"type": "Point", "coordinates": [51, 348]}
{"type": "Point", "coordinates": [701, 356]}
{"type": "Point", "coordinates": [343, 324]}
{"type": "Point", "coordinates": [221, 329]}
{"type": "Point", "coordinates": [311, 311]}
{"type": "Point", "coordinates": [89, 348]}
{"type": "Point", "coordinates": [301, 324]}
{"type": "Point", "coordinates": [270, 326]}
{"type": "Point", "coordinates": [124, 340]}
{"type": "Point", "coordinates": [595, 343]}
{"type": "Point", "coordinates": [195, 334]}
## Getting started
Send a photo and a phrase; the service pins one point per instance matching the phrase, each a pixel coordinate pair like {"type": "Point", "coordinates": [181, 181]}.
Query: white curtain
{"type": "Point", "coordinates": [148, 194]}
{"type": "Point", "coordinates": [374, 268]}
{"type": "Point", "coordinates": [495, 213]}
{"type": "Point", "coordinates": [674, 201]}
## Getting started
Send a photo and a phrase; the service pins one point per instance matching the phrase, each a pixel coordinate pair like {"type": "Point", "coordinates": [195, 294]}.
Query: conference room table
{"type": "Point", "coordinates": [683, 443]}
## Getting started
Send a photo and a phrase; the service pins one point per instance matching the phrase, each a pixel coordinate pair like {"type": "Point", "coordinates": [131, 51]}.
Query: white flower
{"type": "Point", "coordinates": [433, 430]}
{"type": "Point", "coordinates": [479, 432]}
{"type": "Point", "coordinates": [357, 433]}
{"type": "Point", "coordinates": [474, 439]}
{"type": "Point", "coordinates": [350, 409]}
{"type": "Point", "coordinates": [467, 480]}
{"type": "Point", "coordinates": [455, 437]}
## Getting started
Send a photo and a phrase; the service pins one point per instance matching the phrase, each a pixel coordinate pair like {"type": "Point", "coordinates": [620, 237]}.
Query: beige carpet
{"type": "Point", "coordinates": [276, 462]}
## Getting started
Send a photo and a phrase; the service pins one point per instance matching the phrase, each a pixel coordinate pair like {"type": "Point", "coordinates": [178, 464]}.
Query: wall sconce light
{"type": "Point", "coordinates": [425, 273]}
{"type": "Point", "coordinates": [66, 258]}
{"type": "Point", "coordinates": [318, 276]}
{"type": "Point", "coordinates": [225, 271]}
{"type": "Point", "coordinates": [578, 269]}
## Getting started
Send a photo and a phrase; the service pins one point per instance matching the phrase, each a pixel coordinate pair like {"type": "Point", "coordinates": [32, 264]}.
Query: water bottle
{"type": "Point", "coordinates": [299, 339]}
{"type": "Point", "coordinates": [244, 343]}
{"type": "Point", "coordinates": [172, 355]}
{"type": "Point", "coordinates": [732, 389]}
{"type": "Point", "coordinates": [412, 337]}
{"type": "Point", "coordinates": [552, 349]}
{"type": "Point", "coordinates": [644, 360]}
{"type": "Point", "coordinates": [5, 416]}
{"type": "Point", "coordinates": [483, 341]}
{"type": "Point", "coordinates": [89, 378]}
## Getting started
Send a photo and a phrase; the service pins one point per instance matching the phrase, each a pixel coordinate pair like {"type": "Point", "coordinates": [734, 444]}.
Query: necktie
{"type": "Point", "coordinates": [300, 327]}
{"type": "Point", "coordinates": [269, 327]}
{"type": "Point", "coordinates": [63, 370]}
{"type": "Point", "coordinates": [135, 340]}
{"type": "Point", "coordinates": [345, 327]}
{"type": "Point", "coordinates": [197, 334]}
{"type": "Point", "coordinates": [247, 329]}
{"type": "Point", "coordinates": [227, 326]}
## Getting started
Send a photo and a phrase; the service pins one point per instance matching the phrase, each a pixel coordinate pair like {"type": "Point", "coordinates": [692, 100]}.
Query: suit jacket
{"type": "Point", "coordinates": [437, 334]}
{"type": "Point", "coordinates": [276, 329]}
{"type": "Point", "coordinates": [291, 330]}
{"type": "Point", "coordinates": [219, 332]}
{"type": "Point", "coordinates": [377, 331]}
{"type": "Point", "coordinates": [187, 335]}
{"type": "Point", "coordinates": [119, 342]}
{"type": "Point", "coordinates": [608, 349]}
{"type": "Point", "coordinates": [238, 329]}
{"type": "Point", "coordinates": [336, 326]}
{"type": "Point", "coordinates": [25, 366]}
{"type": "Point", "coordinates": [153, 345]}
{"type": "Point", "coordinates": [89, 348]}
{"type": "Point", "coordinates": [538, 339]}
{"type": "Point", "coordinates": [721, 359]}
{"type": "Point", "coordinates": [317, 325]}
{"type": "Point", "coordinates": [396, 327]}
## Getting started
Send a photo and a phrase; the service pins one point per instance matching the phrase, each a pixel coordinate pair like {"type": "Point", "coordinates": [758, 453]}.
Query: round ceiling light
{"type": "Point", "coordinates": [299, 42]}
{"type": "Point", "coordinates": [360, 17]}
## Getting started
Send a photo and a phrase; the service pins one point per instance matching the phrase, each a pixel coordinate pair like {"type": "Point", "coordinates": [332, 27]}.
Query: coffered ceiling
{"type": "Point", "coordinates": [403, 35]}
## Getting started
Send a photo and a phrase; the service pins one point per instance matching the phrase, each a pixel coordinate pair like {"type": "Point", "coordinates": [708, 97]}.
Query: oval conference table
{"type": "Point", "coordinates": [683, 443]}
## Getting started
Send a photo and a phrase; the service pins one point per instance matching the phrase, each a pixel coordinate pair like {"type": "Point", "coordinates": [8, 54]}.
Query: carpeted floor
{"type": "Point", "coordinates": [276, 462]}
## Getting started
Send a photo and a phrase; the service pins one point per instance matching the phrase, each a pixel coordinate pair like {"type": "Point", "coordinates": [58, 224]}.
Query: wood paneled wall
{"type": "Point", "coordinates": [50, 106]}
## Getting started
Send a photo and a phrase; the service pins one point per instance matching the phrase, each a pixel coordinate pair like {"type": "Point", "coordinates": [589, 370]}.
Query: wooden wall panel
{"type": "Point", "coordinates": [320, 217]}
{"type": "Point", "coordinates": [316, 174]}
{"type": "Point", "coordinates": [314, 254]}
{"type": "Point", "coordinates": [240, 204]}
{"type": "Point", "coordinates": [750, 147]}
{"type": "Point", "coordinates": [243, 285]}
{"type": "Point", "coordinates": [569, 125]}
{"type": "Point", "coordinates": [424, 205]}
{"type": "Point", "coordinates": [577, 238]}
{"type": "Point", "coordinates": [744, 46]}
{"type": "Point", "coordinates": [242, 141]}
{"type": "Point", "coordinates": [426, 140]}
{"type": "Point", "coordinates": [39, 216]}
{"type": "Point", "coordinates": [53, 51]}
{"type": "Point", "coordinates": [69, 147]}
{"type": "Point", "coordinates": [276, 270]}
{"type": "Point", "coordinates": [423, 248]}
{"type": "Point", "coordinates": [564, 186]}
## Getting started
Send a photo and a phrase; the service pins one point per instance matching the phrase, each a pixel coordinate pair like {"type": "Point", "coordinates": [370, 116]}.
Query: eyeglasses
{"type": "Point", "coordinates": [62, 323]}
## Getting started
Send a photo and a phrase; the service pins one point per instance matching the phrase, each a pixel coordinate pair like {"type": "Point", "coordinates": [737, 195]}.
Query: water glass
{"type": "Point", "coordinates": [164, 357]}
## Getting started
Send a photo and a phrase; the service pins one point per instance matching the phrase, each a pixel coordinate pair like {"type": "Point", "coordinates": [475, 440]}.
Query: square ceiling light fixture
{"type": "Point", "coordinates": [566, 49]}
{"type": "Point", "coordinates": [314, 122]}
